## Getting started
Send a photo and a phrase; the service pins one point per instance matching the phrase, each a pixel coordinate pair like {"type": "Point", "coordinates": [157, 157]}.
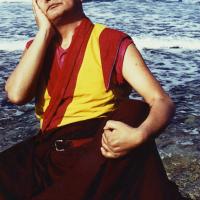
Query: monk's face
{"type": "Point", "coordinates": [55, 9]}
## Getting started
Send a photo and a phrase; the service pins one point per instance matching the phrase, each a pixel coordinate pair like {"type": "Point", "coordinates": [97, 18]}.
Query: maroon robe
{"type": "Point", "coordinates": [66, 163]}
{"type": "Point", "coordinates": [35, 170]}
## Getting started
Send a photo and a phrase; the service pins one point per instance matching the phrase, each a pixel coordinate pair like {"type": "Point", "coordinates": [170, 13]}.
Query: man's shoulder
{"type": "Point", "coordinates": [109, 31]}
{"type": "Point", "coordinates": [108, 34]}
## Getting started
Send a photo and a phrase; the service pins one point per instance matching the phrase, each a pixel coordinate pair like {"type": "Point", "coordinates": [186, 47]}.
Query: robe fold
{"type": "Point", "coordinates": [65, 162]}
{"type": "Point", "coordinates": [93, 52]}
{"type": "Point", "coordinates": [40, 172]}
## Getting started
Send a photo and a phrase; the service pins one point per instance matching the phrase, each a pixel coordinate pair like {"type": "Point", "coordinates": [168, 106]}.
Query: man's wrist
{"type": "Point", "coordinates": [143, 134]}
{"type": "Point", "coordinates": [45, 34]}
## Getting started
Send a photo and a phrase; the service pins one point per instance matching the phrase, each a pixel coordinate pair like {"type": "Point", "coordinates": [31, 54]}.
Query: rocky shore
{"type": "Point", "coordinates": [182, 166]}
{"type": "Point", "coordinates": [179, 145]}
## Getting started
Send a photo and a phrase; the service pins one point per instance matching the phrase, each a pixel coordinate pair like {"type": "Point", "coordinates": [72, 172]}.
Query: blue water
{"type": "Point", "coordinates": [166, 32]}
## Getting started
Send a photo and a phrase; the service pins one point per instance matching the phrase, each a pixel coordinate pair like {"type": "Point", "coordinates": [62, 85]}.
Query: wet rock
{"type": "Point", "coordinates": [190, 119]}
{"type": "Point", "coordinates": [185, 172]}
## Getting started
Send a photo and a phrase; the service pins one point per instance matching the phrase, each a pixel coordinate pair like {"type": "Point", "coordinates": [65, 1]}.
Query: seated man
{"type": "Point", "coordinates": [94, 143]}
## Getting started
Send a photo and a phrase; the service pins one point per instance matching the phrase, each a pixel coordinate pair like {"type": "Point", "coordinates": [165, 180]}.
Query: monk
{"type": "Point", "coordinates": [94, 142]}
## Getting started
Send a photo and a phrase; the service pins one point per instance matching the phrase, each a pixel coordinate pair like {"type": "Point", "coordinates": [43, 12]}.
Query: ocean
{"type": "Point", "coordinates": [167, 33]}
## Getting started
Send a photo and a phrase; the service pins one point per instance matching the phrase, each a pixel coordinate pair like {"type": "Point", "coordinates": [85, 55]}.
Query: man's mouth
{"type": "Point", "coordinates": [52, 6]}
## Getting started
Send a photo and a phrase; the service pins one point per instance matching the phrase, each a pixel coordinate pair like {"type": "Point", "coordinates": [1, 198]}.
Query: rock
{"type": "Point", "coordinates": [185, 172]}
{"type": "Point", "coordinates": [190, 119]}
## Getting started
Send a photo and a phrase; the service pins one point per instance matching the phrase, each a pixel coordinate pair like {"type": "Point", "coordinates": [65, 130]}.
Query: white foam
{"type": "Point", "coordinates": [12, 45]}
{"type": "Point", "coordinates": [13, 1]}
{"type": "Point", "coordinates": [167, 42]}
{"type": "Point", "coordinates": [191, 1]}
{"type": "Point", "coordinates": [29, 1]}
{"type": "Point", "coordinates": [141, 43]}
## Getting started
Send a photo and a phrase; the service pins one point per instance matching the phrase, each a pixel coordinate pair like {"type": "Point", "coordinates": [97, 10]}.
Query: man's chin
{"type": "Point", "coordinates": [55, 17]}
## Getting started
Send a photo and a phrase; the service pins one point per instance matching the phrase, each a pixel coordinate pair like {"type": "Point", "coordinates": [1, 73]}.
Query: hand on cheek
{"type": "Point", "coordinates": [42, 20]}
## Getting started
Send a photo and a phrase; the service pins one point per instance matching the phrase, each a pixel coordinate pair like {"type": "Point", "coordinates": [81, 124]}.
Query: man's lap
{"type": "Point", "coordinates": [34, 169]}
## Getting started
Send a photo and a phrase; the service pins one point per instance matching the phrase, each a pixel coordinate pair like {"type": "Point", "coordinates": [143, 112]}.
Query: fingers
{"type": "Point", "coordinates": [116, 139]}
{"type": "Point", "coordinates": [111, 141]}
{"type": "Point", "coordinates": [41, 18]}
{"type": "Point", "coordinates": [107, 146]}
{"type": "Point", "coordinates": [35, 6]}
{"type": "Point", "coordinates": [35, 10]}
{"type": "Point", "coordinates": [112, 124]}
{"type": "Point", "coordinates": [110, 149]}
{"type": "Point", "coordinates": [109, 154]}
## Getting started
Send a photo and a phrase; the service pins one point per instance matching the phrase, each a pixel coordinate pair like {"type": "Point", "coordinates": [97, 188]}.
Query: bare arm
{"type": "Point", "coordinates": [140, 78]}
{"type": "Point", "coordinates": [118, 138]}
{"type": "Point", "coordinates": [22, 83]}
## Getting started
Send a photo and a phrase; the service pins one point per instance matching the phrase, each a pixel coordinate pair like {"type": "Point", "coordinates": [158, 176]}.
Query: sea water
{"type": "Point", "coordinates": [167, 33]}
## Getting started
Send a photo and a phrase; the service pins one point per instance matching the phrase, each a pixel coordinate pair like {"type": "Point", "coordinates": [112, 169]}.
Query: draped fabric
{"type": "Point", "coordinates": [73, 63]}
{"type": "Point", "coordinates": [39, 169]}
{"type": "Point", "coordinates": [35, 170]}
{"type": "Point", "coordinates": [88, 72]}
{"type": "Point", "coordinates": [109, 43]}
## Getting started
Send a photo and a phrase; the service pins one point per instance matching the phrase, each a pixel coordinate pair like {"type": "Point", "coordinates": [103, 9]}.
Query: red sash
{"type": "Point", "coordinates": [72, 64]}
{"type": "Point", "coordinates": [110, 41]}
